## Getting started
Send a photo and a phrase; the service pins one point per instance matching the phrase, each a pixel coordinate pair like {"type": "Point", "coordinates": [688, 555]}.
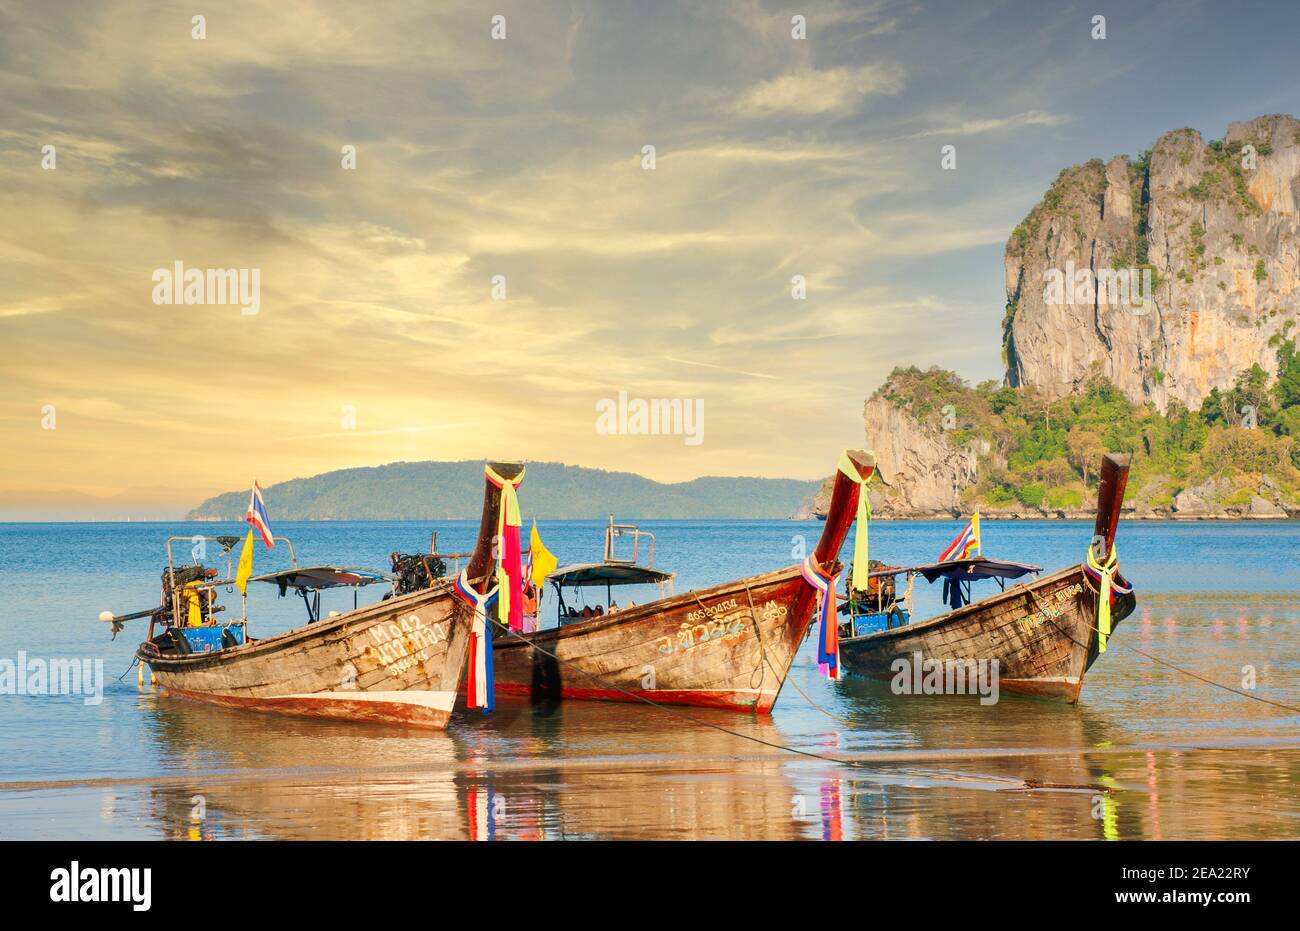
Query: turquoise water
{"type": "Point", "coordinates": [1219, 599]}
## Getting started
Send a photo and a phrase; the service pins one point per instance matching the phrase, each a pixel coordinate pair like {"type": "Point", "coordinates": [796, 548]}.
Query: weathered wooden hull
{"type": "Point", "coordinates": [1044, 646]}
{"type": "Point", "coordinates": [729, 646]}
{"type": "Point", "coordinates": [398, 662]}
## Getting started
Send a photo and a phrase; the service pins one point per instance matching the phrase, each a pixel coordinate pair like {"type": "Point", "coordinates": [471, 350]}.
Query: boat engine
{"type": "Point", "coordinates": [416, 571]}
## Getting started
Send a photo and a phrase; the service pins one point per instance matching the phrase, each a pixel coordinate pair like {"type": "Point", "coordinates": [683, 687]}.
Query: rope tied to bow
{"type": "Point", "coordinates": [1104, 579]}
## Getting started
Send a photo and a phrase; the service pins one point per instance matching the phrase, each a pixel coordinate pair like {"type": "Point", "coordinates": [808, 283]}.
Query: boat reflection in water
{"type": "Point", "coordinates": [237, 774]}
{"type": "Point", "coordinates": [928, 767]}
{"type": "Point", "coordinates": [543, 773]}
{"type": "Point", "coordinates": [924, 767]}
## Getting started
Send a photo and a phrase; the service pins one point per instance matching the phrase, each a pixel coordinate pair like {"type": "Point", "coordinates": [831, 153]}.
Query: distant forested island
{"type": "Point", "coordinates": [552, 490]}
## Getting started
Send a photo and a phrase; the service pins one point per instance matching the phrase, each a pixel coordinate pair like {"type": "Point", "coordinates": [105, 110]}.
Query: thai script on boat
{"type": "Point", "coordinates": [682, 417]}
{"type": "Point", "coordinates": [1050, 608]}
{"type": "Point", "coordinates": [181, 285]}
{"type": "Point", "coordinates": [399, 645]}
{"type": "Point", "coordinates": [690, 635]}
{"type": "Point", "coordinates": [59, 675]}
{"type": "Point", "coordinates": [711, 623]}
{"type": "Point", "coordinates": [915, 675]}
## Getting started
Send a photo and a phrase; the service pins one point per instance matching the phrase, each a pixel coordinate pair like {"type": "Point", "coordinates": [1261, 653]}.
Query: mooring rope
{"type": "Point", "coordinates": [1028, 784]}
{"type": "Point", "coordinates": [1155, 659]}
{"type": "Point", "coordinates": [830, 714]}
{"type": "Point", "coordinates": [764, 659]}
{"type": "Point", "coordinates": [601, 680]}
{"type": "Point", "coordinates": [673, 712]}
{"type": "Point", "coordinates": [788, 677]}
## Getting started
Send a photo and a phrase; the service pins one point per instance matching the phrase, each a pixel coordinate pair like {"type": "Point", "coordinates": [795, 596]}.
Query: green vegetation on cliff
{"type": "Point", "coordinates": [1039, 453]}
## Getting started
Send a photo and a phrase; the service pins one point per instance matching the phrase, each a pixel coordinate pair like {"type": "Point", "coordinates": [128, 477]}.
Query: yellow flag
{"type": "Point", "coordinates": [245, 564]}
{"type": "Point", "coordinates": [544, 561]}
{"type": "Point", "coordinates": [861, 562]}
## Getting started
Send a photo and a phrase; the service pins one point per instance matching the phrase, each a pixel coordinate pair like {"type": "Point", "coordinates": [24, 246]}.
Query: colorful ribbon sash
{"type": "Point", "coordinates": [1108, 586]}
{"type": "Point", "coordinates": [828, 636]}
{"type": "Point", "coordinates": [510, 571]}
{"type": "Point", "coordinates": [478, 683]}
{"type": "Point", "coordinates": [861, 562]}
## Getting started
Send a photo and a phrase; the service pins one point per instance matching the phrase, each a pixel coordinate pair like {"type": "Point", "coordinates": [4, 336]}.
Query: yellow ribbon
{"type": "Point", "coordinates": [1107, 573]}
{"type": "Point", "coordinates": [861, 564]}
{"type": "Point", "coordinates": [507, 514]}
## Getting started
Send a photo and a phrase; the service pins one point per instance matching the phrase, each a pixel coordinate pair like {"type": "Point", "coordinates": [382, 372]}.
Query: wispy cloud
{"type": "Point", "coordinates": [811, 92]}
{"type": "Point", "coordinates": [974, 127]}
{"type": "Point", "coordinates": [721, 368]}
{"type": "Point", "coordinates": [520, 163]}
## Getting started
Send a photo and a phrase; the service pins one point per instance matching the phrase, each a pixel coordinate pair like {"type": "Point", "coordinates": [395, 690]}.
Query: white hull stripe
{"type": "Point", "coordinates": [439, 700]}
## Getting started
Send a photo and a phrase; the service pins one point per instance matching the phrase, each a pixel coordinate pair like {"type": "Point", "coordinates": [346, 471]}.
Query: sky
{"type": "Point", "coordinates": [502, 258]}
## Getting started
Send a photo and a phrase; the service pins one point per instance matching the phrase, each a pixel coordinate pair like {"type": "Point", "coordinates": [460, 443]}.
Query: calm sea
{"type": "Point", "coordinates": [1182, 759]}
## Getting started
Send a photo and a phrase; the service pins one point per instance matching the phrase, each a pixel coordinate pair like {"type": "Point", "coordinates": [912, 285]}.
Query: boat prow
{"type": "Point", "coordinates": [399, 661]}
{"type": "Point", "coordinates": [1038, 637]}
{"type": "Point", "coordinates": [727, 646]}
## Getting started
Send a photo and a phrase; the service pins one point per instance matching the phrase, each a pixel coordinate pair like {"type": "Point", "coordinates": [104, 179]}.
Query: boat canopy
{"type": "Point", "coordinates": [966, 570]}
{"type": "Point", "coordinates": [608, 574]}
{"type": "Point", "coordinates": [316, 578]}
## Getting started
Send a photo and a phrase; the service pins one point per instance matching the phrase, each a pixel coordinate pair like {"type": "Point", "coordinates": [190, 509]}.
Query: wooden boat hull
{"type": "Point", "coordinates": [400, 661]}
{"type": "Point", "coordinates": [730, 647]}
{"type": "Point", "coordinates": [397, 662]}
{"type": "Point", "coordinates": [1044, 642]}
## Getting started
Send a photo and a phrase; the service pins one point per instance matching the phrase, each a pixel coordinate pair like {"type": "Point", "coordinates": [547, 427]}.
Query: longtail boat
{"type": "Point", "coordinates": [399, 661]}
{"type": "Point", "coordinates": [1044, 634]}
{"type": "Point", "coordinates": [727, 646]}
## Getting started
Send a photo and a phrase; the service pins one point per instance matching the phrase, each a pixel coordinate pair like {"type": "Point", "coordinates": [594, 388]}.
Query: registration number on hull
{"type": "Point", "coordinates": [404, 643]}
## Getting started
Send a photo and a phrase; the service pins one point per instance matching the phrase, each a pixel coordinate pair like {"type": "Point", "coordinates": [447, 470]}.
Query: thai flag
{"type": "Point", "coordinates": [967, 542]}
{"type": "Point", "coordinates": [257, 516]}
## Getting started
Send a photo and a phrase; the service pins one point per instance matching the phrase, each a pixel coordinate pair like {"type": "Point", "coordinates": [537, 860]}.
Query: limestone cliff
{"type": "Point", "coordinates": [1135, 289]}
{"type": "Point", "coordinates": [921, 472]}
{"type": "Point", "coordinates": [1217, 228]}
